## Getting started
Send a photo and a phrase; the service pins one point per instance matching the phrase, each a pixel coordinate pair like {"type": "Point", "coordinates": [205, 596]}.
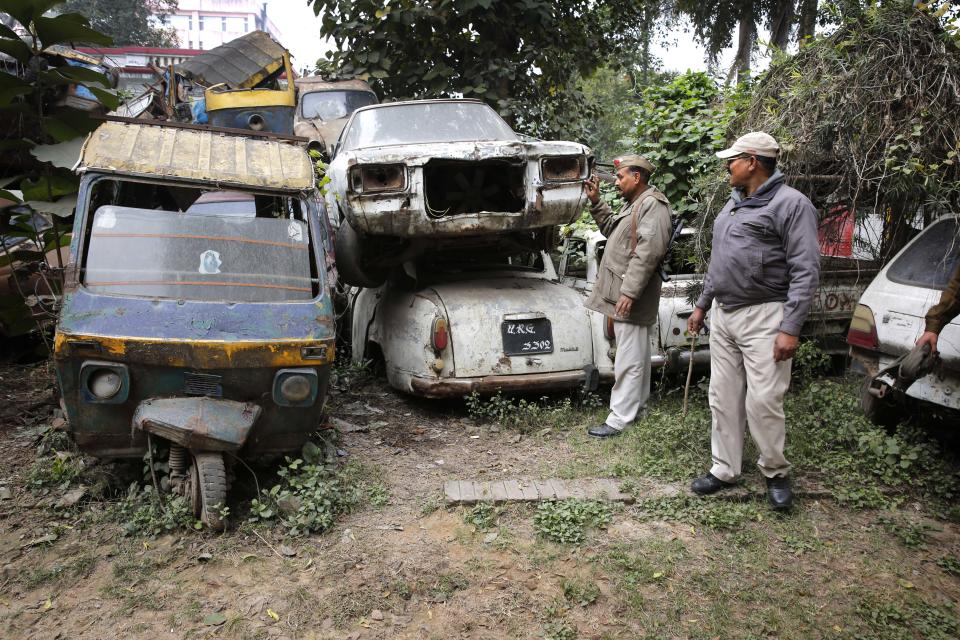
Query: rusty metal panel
{"type": "Point", "coordinates": [186, 154]}
{"type": "Point", "coordinates": [204, 424]}
{"type": "Point", "coordinates": [240, 64]}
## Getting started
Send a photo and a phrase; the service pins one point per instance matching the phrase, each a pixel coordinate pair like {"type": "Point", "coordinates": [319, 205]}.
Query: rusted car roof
{"type": "Point", "coordinates": [156, 151]}
{"type": "Point", "coordinates": [240, 64]}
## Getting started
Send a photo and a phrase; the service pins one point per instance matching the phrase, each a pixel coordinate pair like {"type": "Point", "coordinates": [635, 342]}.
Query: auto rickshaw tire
{"type": "Point", "coordinates": [350, 268]}
{"type": "Point", "coordinates": [209, 478]}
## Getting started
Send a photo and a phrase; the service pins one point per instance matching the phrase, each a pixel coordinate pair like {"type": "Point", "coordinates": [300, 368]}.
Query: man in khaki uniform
{"type": "Point", "coordinates": [628, 285]}
{"type": "Point", "coordinates": [763, 273]}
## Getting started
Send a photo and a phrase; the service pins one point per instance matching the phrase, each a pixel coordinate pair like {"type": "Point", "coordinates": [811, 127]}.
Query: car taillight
{"type": "Point", "coordinates": [439, 336]}
{"type": "Point", "coordinates": [563, 168]}
{"type": "Point", "coordinates": [608, 328]}
{"type": "Point", "coordinates": [375, 178]}
{"type": "Point", "coordinates": [863, 328]}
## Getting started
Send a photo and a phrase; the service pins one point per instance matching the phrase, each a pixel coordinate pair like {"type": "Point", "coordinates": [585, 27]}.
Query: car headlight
{"type": "Point", "coordinates": [563, 168]}
{"type": "Point", "coordinates": [104, 382]}
{"type": "Point", "coordinates": [295, 387]}
{"type": "Point", "coordinates": [378, 178]}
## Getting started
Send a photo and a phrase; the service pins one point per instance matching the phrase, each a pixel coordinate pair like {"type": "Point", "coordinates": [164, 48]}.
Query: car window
{"type": "Point", "coordinates": [427, 122]}
{"type": "Point", "coordinates": [332, 105]}
{"type": "Point", "coordinates": [932, 257]}
{"type": "Point", "coordinates": [576, 259]}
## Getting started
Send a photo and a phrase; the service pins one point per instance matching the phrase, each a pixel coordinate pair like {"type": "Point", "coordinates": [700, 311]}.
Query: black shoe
{"type": "Point", "coordinates": [707, 484]}
{"type": "Point", "coordinates": [780, 493]}
{"type": "Point", "coordinates": [603, 431]}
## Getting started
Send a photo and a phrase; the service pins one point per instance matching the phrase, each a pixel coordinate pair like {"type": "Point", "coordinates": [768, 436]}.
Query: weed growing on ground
{"type": "Point", "coordinates": [809, 362]}
{"type": "Point", "coordinates": [906, 617]}
{"type": "Point", "coordinates": [79, 567]}
{"type": "Point", "coordinates": [482, 516]}
{"type": "Point", "coordinates": [566, 521]}
{"type": "Point", "coordinates": [526, 415]}
{"type": "Point", "coordinates": [558, 630]}
{"type": "Point", "coordinates": [140, 513]}
{"type": "Point", "coordinates": [378, 495]}
{"type": "Point", "coordinates": [59, 470]}
{"type": "Point", "coordinates": [950, 564]}
{"type": "Point", "coordinates": [913, 535]}
{"type": "Point", "coordinates": [715, 514]}
{"type": "Point", "coordinates": [581, 592]}
{"type": "Point", "coordinates": [309, 497]}
{"type": "Point", "coordinates": [446, 585]}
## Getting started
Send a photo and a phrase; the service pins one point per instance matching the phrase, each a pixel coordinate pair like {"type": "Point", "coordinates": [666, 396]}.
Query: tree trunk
{"type": "Point", "coordinates": [807, 22]}
{"type": "Point", "coordinates": [781, 22]}
{"type": "Point", "coordinates": [746, 36]}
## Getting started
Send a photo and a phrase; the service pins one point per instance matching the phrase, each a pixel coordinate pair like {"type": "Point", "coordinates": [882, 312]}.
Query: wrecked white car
{"type": "Point", "coordinates": [890, 317]}
{"type": "Point", "coordinates": [323, 106]}
{"type": "Point", "coordinates": [407, 176]}
{"type": "Point", "coordinates": [476, 319]}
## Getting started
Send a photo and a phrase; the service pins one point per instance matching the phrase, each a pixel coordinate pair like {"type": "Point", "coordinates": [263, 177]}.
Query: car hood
{"type": "Point", "coordinates": [419, 154]}
{"type": "Point", "coordinates": [476, 310]}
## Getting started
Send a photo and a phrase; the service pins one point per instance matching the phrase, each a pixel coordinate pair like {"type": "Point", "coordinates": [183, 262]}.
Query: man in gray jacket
{"type": "Point", "coordinates": [764, 270]}
{"type": "Point", "coordinates": [628, 284]}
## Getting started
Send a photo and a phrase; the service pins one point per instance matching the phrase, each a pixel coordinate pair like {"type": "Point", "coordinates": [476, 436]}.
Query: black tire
{"type": "Point", "coordinates": [350, 268]}
{"type": "Point", "coordinates": [209, 495]}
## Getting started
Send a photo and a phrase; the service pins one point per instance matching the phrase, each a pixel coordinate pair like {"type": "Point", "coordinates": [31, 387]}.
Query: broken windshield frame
{"type": "Point", "coordinates": [333, 105]}
{"type": "Point", "coordinates": [428, 122]}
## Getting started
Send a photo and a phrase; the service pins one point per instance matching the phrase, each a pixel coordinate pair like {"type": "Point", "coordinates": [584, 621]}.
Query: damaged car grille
{"type": "Point", "coordinates": [458, 187]}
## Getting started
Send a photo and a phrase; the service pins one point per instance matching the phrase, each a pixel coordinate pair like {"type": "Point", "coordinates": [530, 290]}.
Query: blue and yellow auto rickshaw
{"type": "Point", "coordinates": [197, 304]}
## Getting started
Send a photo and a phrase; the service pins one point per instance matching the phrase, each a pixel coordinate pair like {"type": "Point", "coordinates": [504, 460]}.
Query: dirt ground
{"type": "Point", "coordinates": [413, 568]}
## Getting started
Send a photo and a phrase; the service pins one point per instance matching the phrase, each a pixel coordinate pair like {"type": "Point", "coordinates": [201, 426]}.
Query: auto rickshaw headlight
{"type": "Point", "coordinates": [295, 387]}
{"type": "Point", "coordinates": [104, 382]}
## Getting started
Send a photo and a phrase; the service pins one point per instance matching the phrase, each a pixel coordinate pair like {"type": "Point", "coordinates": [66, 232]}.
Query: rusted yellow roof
{"type": "Point", "coordinates": [196, 155]}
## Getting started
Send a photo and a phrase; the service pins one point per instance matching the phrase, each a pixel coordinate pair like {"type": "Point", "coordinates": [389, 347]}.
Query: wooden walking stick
{"type": "Point", "coordinates": [686, 387]}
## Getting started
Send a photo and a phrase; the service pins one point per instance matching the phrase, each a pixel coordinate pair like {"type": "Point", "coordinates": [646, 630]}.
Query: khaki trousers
{"type": "Point", "coordinates": [631, 372]}
{"type": "Point", "coordinates": [747, 387]}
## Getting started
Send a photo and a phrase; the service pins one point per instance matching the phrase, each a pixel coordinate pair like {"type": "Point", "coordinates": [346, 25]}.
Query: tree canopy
{"type": "Point", "coordinates": [522, 56]}
{"type": "Point", "coordinates": [128, 22]}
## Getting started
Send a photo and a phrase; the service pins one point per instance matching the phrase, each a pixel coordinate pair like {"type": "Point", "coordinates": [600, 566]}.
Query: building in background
{"type": "Point", "coordinates": [207, 24]}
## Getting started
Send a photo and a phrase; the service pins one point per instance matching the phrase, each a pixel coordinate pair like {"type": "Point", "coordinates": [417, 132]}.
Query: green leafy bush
{"type": "Point", "coordinates": [566, 521]}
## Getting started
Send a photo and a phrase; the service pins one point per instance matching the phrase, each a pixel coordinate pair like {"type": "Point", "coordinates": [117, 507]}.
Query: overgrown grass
{"type": "Point", "coordinates": [527, 416]}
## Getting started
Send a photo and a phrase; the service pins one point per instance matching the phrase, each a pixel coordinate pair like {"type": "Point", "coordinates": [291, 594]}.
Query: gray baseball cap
{"type": "Point", "coordinates": [755, 143]}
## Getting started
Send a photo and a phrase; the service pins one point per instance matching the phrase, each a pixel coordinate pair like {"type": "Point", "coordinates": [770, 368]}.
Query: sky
{"type": "Point", "coordinates": [301, 35]}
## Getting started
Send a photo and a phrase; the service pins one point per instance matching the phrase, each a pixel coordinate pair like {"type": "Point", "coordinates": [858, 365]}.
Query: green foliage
{"type": "Point", "coordinates": [378, 495]}
{"type": "Point", "coordinates": [809, 361]}
{"type": "Point", "coordinates": [567, 521]}
{"type": "Point", "coordinates": [559, 630]}
{"type": "Point", "coordinates": [526, 415]}
{"type": "Point", "coordinates": [141, 514]}
{"type": "Point", "coordinates": [129, 22]}
{"type": "Point", "coordinates": [950, 564]}
{"type": "Point", "coordinates": [483, 515]}
{"type": "Point", "coordinates": [309, 497]}
{"type": "Point", "coordinates": [679, 126]}
{"type": "Point", "coordinates": [446, 585]}
{"type": "Point", "coordinates": [581, 592]}
{"type": "Point", "coordinates": [913, 535]}
{"type": "Point", "coordinates": [31, 89]}
{"type": "Point", "coordinates": [714, 514]}
{"type": "Point", "coordinates": [523, 57]}
{"type": "Point", "coordinates": [906, 617]}
{"type": "Point", "coordinates": [59, 470]}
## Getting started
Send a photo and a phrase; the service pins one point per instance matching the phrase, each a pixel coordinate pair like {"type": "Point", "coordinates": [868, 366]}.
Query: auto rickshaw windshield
{"type": "Point", "coordinates": [218, 248]}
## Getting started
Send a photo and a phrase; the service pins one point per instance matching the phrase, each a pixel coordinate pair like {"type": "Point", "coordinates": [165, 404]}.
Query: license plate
{"type": "Point", "coordinates": [525, 337]}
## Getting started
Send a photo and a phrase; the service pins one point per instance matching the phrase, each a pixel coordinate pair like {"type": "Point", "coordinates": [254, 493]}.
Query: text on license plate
{"type": "Point", "coordinates": [522, 337]}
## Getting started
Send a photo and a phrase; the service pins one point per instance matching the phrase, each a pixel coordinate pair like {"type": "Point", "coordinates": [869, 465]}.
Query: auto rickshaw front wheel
{"type": "Point", "coordinates": [207, 489]}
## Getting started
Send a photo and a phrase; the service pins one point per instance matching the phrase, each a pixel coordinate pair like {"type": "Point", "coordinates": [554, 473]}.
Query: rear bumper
{"type": "Point", "coordinates": [533, 382]}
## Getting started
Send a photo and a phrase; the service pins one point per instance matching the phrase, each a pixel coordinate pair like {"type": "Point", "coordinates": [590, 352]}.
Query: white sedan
{"type": "Point", "coordinates": [476, 320]}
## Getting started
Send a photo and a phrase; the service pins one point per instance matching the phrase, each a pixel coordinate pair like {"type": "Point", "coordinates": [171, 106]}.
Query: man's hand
{"type": "Point", "coordinates": [624, 305]}
{"type": "Point", "coordinates": [591, 187]}
{"type": "Point", "coordinates": [930, 338]}
{"type": "Point", "coordinates": [695, 321]}
{"type": "Point", "coordinates": [784, 346]}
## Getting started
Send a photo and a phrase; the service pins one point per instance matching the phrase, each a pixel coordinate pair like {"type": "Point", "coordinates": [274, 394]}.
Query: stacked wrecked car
{"type": "Point", "coordinates": [444, 217]}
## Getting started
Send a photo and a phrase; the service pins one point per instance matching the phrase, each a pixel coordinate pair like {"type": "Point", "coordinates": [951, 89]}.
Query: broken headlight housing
{"type": "Point", "coordinates": [378, 178]}
{"type": "Point", "coordinates": [563, 168]}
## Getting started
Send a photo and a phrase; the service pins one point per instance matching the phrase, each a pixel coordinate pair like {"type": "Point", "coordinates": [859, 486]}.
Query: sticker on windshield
{"type": "Point", "coordinates": [210, 262]}
{"type": "Point", "coordinates": [295, 231]}
{"type": "Point", "coordinates": [106, 220]}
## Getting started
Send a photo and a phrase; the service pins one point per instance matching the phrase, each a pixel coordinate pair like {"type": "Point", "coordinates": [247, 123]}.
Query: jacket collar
{"type": "Point", "coordinates": [761, 196]}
